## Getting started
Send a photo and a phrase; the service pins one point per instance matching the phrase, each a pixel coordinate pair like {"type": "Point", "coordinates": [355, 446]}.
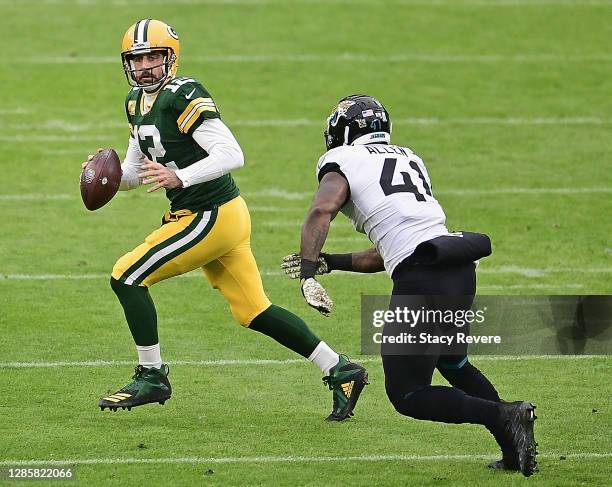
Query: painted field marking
{"type": "Point", "coordinates": [524, 271]}
{"type": "Point", "coordinates": [349, 57]}
{"type": "Point", "coordinates": [307, 195]}
{"type": "Point", "coordinates": [294, 459]}
{"type": "Point", "coordinates": [57, 126]}
{"type": "Point", "coordinates": [265, 362]}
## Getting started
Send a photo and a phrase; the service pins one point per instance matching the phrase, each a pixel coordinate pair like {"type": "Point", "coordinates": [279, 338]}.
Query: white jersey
{"type": "Point", "coordinates": [390, 197]}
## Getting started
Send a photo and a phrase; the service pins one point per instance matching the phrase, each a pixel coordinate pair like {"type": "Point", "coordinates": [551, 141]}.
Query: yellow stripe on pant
{"type": "Point", "coordinates": [218, 241]}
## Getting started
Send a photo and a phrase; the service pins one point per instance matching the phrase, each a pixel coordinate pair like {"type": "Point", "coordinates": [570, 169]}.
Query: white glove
{"type": "Point", "coordinates": [291, 265]}
{"type": "Point", "coordinates": [316, 296]}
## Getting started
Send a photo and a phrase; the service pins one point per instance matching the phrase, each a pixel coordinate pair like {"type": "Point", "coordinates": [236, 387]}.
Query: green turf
{"type": "Point", "coordinates": [452, 74]}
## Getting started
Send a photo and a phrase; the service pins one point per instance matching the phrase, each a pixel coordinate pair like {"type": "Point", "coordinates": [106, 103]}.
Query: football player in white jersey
{"type": "Point", "coordinates": [385, 191]}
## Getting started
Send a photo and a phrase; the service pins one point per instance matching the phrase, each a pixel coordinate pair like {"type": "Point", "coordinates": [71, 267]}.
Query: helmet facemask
{"type": "Point", "coordinates": [167, 64]}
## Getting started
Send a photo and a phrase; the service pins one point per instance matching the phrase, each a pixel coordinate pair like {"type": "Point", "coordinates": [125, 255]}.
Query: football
{"type": "Point", "coordinates": [100, 179]}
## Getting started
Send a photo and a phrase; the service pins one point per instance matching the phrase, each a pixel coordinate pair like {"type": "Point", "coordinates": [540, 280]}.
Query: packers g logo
{"type": "Point", "coordinates": [172, 32]}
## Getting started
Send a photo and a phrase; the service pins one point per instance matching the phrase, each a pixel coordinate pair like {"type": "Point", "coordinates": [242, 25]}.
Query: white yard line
{"type": "Point", "coordinates": [298, 223]}
{"type": "Point", "coordinates": [71, 127]}
{"type": "Point", "coordinates": [540, 120]}
{"type": "Point", "coordinates": [348, 57]}
{"type": "Point", "coordinates": [38, 197]}
{"type": "Point", "coordinates": [307, 195]}
{"type": "Point", "coordinates": [489, 4]}
{"type": "Point", "coordinates": [540, 272]}
{"type": "Point", "coordinates": [266, 362]}
{"type": "Point", "coordinates": [293, 459]}
{"type": "Point", "coordinates": [524, 271]}
{"type": "Point", "coordinates": [513, 287]}
{"type": "Point", "coordinates": [15, 111]}
{"type": "Point", "coordinates": [49, 138]}
{"type": "Point", "coordinates": [273, 209]}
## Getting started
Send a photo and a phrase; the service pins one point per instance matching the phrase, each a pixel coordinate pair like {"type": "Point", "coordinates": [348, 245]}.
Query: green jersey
{"type": "Point", "coordinates": [164, 134]}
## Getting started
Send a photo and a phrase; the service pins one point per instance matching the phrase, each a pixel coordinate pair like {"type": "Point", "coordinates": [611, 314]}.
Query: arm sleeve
{"type": "Point", "coordinates": [131, 166]}
{"type": "Point", "coordinates": [224, 154]}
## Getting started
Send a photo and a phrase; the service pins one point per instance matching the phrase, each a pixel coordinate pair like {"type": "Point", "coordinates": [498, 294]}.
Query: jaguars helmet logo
{"type": "Point", "coordinates": [339, 111]}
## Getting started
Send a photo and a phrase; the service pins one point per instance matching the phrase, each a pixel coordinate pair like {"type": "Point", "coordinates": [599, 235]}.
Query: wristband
{"type": "Point", "coordinates": [339, 262]}
{"type": "Point", "coordinates": [308, 269]}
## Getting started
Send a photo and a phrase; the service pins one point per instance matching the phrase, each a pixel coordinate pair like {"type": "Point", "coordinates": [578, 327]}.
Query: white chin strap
{"type": "Point", "coordinates": [373, 138]}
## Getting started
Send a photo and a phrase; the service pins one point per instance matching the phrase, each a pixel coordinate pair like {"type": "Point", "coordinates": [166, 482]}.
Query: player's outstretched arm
{"type": "Point", "coordinates": [332, 194]}
{"type": "Point", "coordinates": [367, 261]}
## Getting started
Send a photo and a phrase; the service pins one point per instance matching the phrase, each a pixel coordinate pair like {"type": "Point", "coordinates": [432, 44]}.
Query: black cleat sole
{"type": "Point", "coordinates": [129, 408]}
{"type": "Point", "coordinates": [502, 465]}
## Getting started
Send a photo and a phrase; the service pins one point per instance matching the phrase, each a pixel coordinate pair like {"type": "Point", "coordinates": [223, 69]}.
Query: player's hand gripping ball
{"type": "Point", "coordinates": [100, 178]}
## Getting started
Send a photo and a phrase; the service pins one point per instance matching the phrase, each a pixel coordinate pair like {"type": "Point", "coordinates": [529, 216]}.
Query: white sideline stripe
{"type": "Point", "coordinates": [241, 362]}
{"type": "Point", "coordinates": [291, 459]}
{"type": "Point", "coordinates": [348, 57]}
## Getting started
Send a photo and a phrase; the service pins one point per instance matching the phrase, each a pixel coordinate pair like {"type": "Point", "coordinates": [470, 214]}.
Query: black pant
{"type": "Point", "coordinates": [408, 376]}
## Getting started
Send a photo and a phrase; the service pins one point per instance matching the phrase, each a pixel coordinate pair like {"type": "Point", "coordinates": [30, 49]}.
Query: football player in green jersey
{"type": "Point", "coordinates": [178, 142]}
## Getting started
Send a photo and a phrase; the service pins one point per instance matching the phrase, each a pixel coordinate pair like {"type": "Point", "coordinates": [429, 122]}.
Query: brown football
{"type": "Point", "coordinates": [100, 179]}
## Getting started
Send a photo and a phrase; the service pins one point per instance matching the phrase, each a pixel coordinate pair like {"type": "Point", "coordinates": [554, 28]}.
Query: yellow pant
{"type": "Point", "coordinates": [218, 241]}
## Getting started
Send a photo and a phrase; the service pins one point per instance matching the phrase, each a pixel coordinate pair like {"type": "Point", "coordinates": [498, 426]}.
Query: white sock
{"type": "Point", "coordinates": [149, 356]}
{"type": "Point", "coordinates": [324, 357]}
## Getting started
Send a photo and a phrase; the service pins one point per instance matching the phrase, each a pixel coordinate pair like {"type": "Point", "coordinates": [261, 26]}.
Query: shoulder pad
{"type": "Point", "coordinates": [185, 86]}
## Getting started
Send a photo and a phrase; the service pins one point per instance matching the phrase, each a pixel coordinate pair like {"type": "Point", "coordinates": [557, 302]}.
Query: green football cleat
{"type": "Point", "coordinates": [149, 385]}
{"type": "Point", "coordinates": [346, 380]}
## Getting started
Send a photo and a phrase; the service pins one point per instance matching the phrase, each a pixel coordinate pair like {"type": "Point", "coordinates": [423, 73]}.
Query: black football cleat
{"type": "Point", "coordinates": [516, 427]}
{"type": "Point", "coordinates": [149, 385]}
{"type": "Point", "coordinates": [509, 460]}
{"type": "Point", "coordinates": [346, 379]}
{"type": "Point", "coordinates": [505, 463]}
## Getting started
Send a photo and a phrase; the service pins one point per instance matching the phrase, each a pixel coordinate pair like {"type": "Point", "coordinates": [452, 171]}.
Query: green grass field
{"type": "Point", "coordinates": [508, 102]}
